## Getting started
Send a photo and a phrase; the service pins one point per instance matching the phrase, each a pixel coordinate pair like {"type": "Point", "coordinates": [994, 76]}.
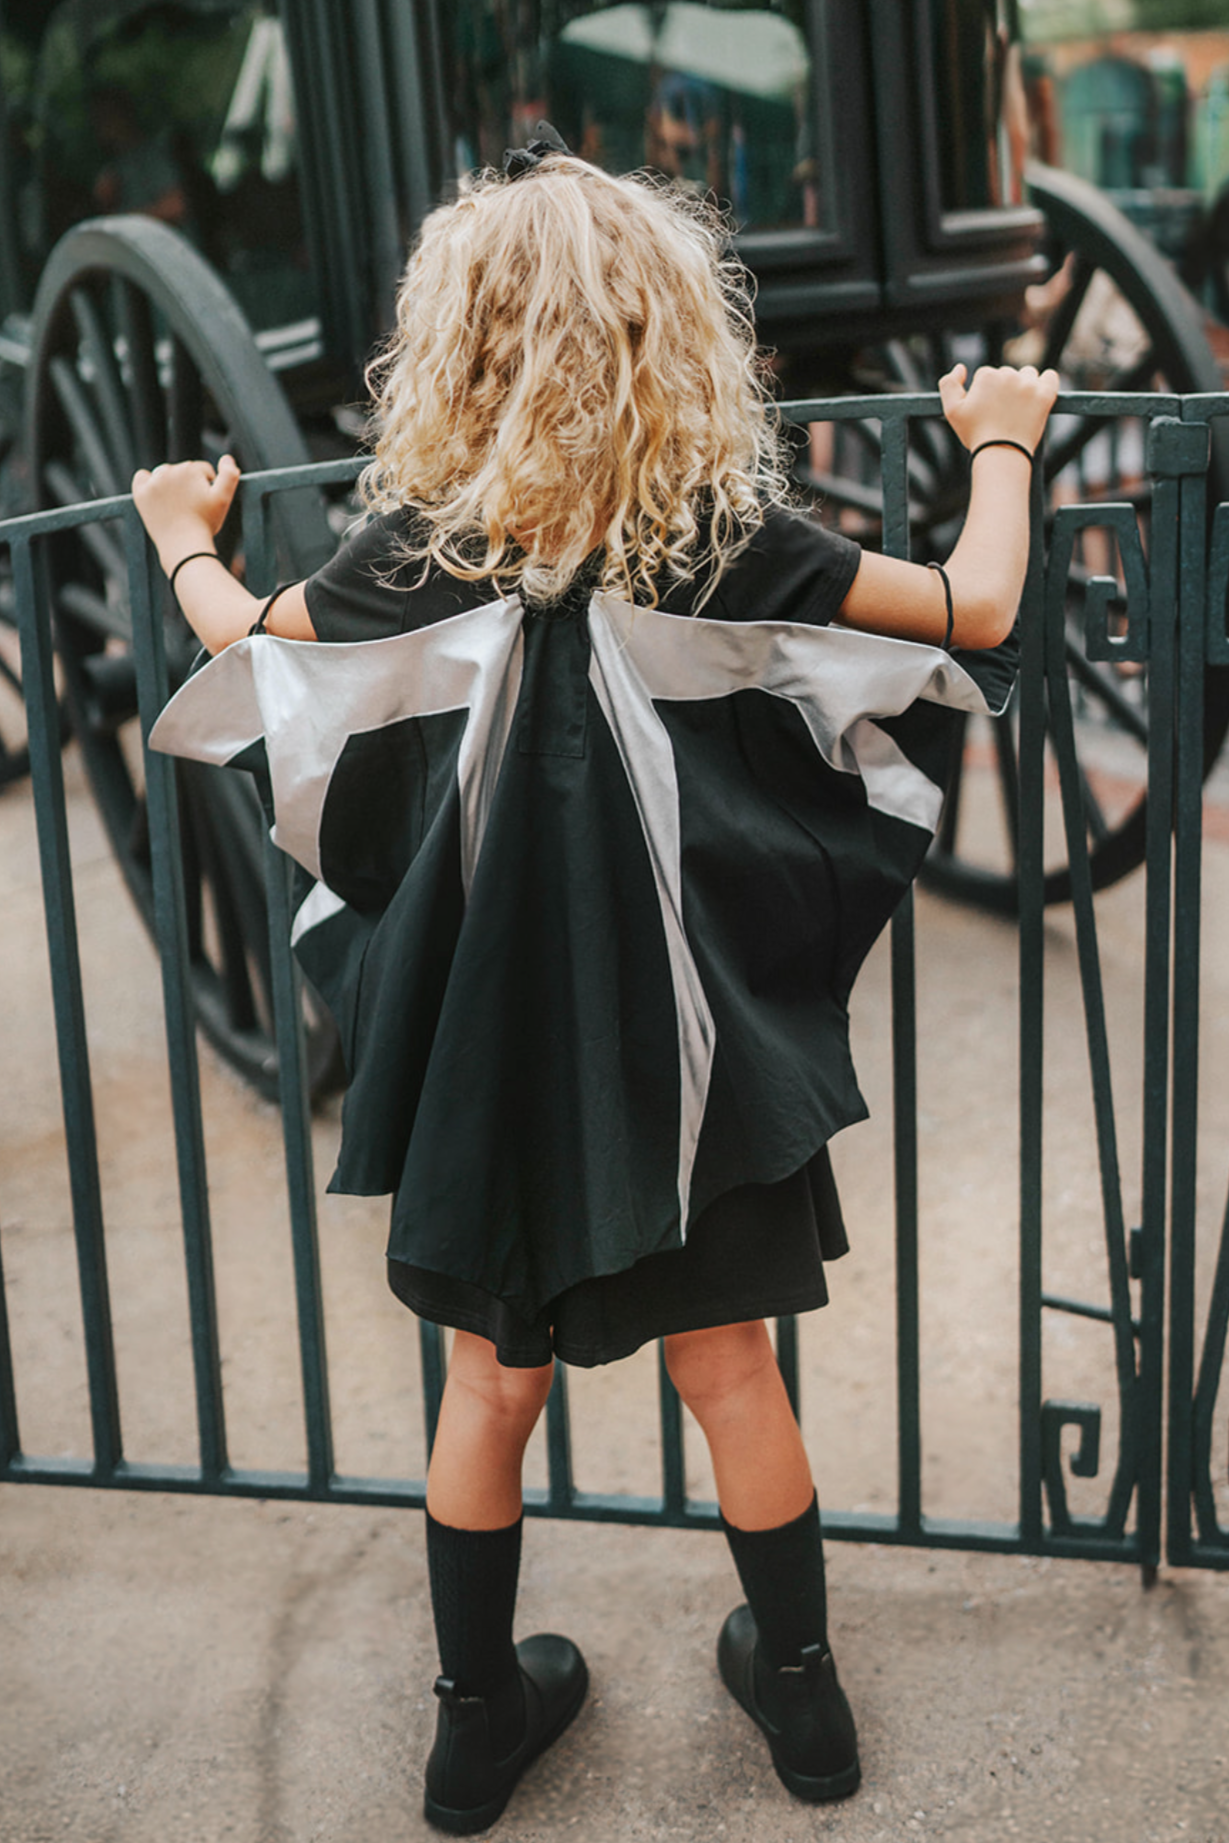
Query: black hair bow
{"type": "Point", "coordinates": [521, 160]}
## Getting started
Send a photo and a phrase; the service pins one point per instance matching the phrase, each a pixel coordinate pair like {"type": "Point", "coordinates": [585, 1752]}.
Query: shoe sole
{"type": "Point", "coordinates": [468, 1822]}
{"type": "Point", "coordinates": [818, 1791]}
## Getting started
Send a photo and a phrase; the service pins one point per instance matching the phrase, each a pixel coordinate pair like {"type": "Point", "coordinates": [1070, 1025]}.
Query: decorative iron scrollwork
{"type": "Point", "coordinates": [1211, 1365]}
{"type": "Point", "coordinates": [1128, 607]}
{"type": "Point", "coordinates": [1103, 594]}
{"type": "Point", "coordinates": [1085, 1461]}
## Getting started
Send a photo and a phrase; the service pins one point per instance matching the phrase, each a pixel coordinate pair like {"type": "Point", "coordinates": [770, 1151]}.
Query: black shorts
{"type": "Point", "coordinates": [757, 1252]}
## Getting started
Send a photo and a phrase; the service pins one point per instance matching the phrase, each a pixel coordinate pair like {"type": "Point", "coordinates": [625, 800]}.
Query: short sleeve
{"type": "Point", "coordinates": [793, 569]}
{"type": "Point", "coordinates": [370, 589]}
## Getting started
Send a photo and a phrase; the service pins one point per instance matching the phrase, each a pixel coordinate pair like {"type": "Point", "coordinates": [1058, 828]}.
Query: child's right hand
{"type": "Point", "coordinates": [1000, 404]}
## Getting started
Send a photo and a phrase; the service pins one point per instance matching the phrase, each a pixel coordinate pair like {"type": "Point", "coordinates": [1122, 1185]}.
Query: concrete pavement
{"type": "Point", "coordinates": [189, 1671]}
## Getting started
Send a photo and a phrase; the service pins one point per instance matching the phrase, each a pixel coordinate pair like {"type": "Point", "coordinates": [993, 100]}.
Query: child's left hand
{"type": "Point", "coordinates": [183, 504]}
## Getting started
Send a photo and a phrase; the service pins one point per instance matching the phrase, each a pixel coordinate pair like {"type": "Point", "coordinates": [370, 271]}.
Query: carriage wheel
{"type": "Point", "coordinates": [1117, 319]}
{"type": "Point", "coordinates": [140, 355]}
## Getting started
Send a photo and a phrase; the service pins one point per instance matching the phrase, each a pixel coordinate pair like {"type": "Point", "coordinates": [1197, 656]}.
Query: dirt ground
{"type": "Point", "coordinates": [180, 1668]}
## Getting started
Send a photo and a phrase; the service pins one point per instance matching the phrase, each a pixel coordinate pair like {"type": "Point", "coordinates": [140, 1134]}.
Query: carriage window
{"type": "Point", "coordinates": [716, 95]}
{"type": "Point", "coordinates": [981, 112]}
{"type": "Point", "coordinates": [181, 111]}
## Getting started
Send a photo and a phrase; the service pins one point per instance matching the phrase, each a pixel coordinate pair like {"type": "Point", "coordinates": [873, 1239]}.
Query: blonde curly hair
{"type": "Point", "coordinates": [573, 369]}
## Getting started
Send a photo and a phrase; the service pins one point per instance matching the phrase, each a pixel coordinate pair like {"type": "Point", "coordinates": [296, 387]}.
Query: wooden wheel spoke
{"type": "Point", "coordinates": [932, 442]}
{"type": "Point", "coordinates": [949, 824]}
{"type": "Point", "coordinates": [1100, 683]}
{"type": "Point", "coordinates": [1008, 764]}
{"type": "Point", "coordinates": [841, 491]}
{"type": "Point", "coordinates": [1094, 814]}
{"type": "Point", "coordinates": [67, 490]}
{"type": "Point", "coordinates": [185, 405]}
{"type": "Point", "coordinates": [219, 876]}
{"type": "Point", "coordinates": [1065, 315]}
{"type": "Point", "coordinates": [88, 606]}
{"type": "Point", "coordinates": [107, 385]}
{"type": "Point", "coordinates": [924, 476]}
{"type": "Point", "coordinates": [135, 319]}
{"type": "Point", "coordinates": [1139, 375]}
{"type": "Point", "coordinates": [194, 895]}
{"type": "Point", "coordinates": [234, 972]}
{"type": "Point", "coordinates": [79, 412]}
{"type": "Point", "coordinates": [1061, 454]}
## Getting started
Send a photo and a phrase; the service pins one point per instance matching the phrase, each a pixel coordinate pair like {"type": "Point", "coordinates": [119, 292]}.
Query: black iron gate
{"type": "Point", "coordinates": [1149, 628]}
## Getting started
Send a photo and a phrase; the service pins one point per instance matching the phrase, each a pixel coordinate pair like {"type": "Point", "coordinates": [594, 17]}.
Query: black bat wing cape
{"type": "Point", "coordinates": [587, 894]}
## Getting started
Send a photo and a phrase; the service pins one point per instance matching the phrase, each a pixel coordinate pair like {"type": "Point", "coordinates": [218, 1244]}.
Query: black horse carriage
{"type": "Point", "coordinates": [205, 207]}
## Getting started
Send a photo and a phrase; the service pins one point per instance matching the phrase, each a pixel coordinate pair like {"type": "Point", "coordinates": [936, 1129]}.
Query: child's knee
{"type": "Point", "coordinates": [514, 1396]}
{"type": "Point", "coordinates": [709, 1366]}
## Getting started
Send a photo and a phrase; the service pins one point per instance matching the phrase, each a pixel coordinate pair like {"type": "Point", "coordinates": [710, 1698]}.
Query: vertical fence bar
{"type": "Point", "coordinates": [76, 1090]}
{"type": "Point", "coordinates": [673, 1473]}
{"type": "Point", "coordinates": [1032, 1011]}
{"type": "Point", "coordinates": [1193, 619]}
{"type": "Point", "coordinates": [286, 987]}
{"type": "Point", "coordinates": [1212, 1536]}
{"type": "Point", "coordinates": [908, 1339]}
{"type": "Point", "coordinates": [1165, 463]}
{"type": "Point", "coordinates": [431, 1353]}
{"type": "Point", "coordinates": [170, 925]}
{"type": "Point", "coordinates": [787, 1360]}
{"type": "Point", "coordinates": [1069, 521]}
{"type": "Point", "coordinates": [10, 1436]}
{"type": "Point", "coordinates": [300, 1176]}
{"type": "Point", "coordinates": [560, 1489]}
{"type": "Point", "coordinates": [904, 1079]}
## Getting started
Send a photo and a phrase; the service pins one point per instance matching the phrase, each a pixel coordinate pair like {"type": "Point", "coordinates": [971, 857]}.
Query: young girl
{"type": "Point", "coordinates": [606, 776]}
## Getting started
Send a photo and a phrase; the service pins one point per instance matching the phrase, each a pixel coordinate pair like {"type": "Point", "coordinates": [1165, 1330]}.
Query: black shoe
{"type": "Point", "coordinates": [802, 1711]}
{"type": "Point", "coordinates": [468, 1785]}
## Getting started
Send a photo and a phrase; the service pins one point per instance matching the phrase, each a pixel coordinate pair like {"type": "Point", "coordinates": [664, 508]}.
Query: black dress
{"type": "Point", "coordinates": [587, 888]}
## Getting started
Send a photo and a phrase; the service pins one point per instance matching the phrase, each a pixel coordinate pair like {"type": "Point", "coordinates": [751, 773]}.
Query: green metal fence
{"type": "Point", "coordinates": [1160, 616]}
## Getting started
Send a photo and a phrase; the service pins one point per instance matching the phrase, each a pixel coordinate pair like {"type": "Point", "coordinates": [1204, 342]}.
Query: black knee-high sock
{"type": "Point", "coordinates": [782, 1574]}
{"type": "Point", "coordinates": [473, 1597]}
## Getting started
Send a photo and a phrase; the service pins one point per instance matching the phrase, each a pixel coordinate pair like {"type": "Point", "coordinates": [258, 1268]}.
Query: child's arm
{"type": "Point", "coordinates": [986, 568]}
{"type": "Point", "coordinates": [183, 506]}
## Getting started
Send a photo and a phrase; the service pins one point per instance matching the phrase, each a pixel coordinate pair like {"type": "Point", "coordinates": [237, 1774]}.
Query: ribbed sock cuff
{"type": "Point", "coordinates": [474, 1574]}
{"type": "Point", "coordinates": [782, 1575]}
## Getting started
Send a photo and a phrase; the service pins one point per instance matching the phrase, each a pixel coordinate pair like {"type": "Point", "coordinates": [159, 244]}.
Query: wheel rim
{"type": "Point", "coordinates": [139, 355]}
{"type": "Point", "coordinates": [1154, 342]}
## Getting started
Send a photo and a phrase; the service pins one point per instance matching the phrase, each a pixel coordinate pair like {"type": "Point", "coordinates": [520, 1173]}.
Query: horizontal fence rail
{"type": "Point", "coordinates": [1161, 609]}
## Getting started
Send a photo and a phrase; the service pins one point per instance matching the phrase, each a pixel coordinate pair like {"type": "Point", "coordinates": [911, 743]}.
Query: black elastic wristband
{"type": "Point", "coordinates": [947, 591]}
{"type": "Point", "coordinates": [258, 625]}
{"type": "Point", "coordinates": [1001, 441]}
{"type": "Point", "coordinates": [191, 558]}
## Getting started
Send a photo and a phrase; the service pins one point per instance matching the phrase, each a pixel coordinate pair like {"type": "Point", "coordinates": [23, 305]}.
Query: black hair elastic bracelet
{"type": "Point", "coordinates": [947, 591]}
{"type": "Point", "coordinates": [191, 558]}
{"type": "Point", "coordinates": [258, 625]}
{"type": "Point", "coordinates": [1001, 441]}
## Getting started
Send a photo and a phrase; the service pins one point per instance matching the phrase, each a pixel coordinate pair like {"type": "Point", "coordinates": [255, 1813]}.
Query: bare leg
{"type": "Point", "coordinates": [729, 1379]}
{"type": "Point", "coordinates": [486, 1417]}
